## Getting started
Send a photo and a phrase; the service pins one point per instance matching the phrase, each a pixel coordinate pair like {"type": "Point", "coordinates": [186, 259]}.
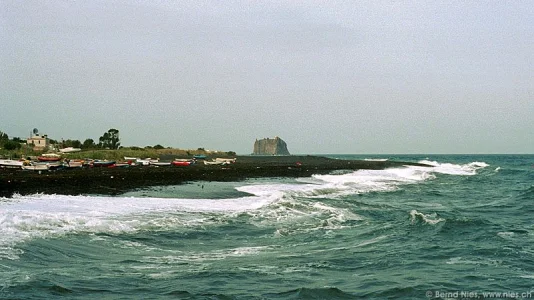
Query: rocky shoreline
{"type": "Point", "coordinates": [115, 181]}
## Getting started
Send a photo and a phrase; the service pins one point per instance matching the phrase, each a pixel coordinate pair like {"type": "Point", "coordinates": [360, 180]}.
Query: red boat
{"type": "Point", "coordinates": [49, 158]}
{"type": "Point", "coordinates": [181, 163]}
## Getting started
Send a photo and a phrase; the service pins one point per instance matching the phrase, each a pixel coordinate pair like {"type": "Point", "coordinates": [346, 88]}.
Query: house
{"type": "Point", "coordinates": [39, 143]}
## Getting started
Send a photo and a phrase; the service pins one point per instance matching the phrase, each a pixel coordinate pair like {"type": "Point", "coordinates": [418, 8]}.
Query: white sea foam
{"type": "Point", "coordinates": [371, 241]}
{"type": "Point", "coordinates": [206, 256]}
{"type": "Point", "coordinates": [431, 219]}
{"type": "Point", "coordinates": [455, 169]}
{"type": "Point", "coordinates": [364, 181]}
{"type": "Point", "coordinates": [296, 209]}
{"type": "Point", "coordinates": [478, 261]}
{"type": "Point", "coordinates": [293, 207]}
{"type": "Point", "coordinates": [506, 234]}
{"type": "Point", "coordinates": [37, 216]}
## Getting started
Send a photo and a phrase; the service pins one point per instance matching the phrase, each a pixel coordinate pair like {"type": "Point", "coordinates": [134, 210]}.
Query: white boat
{"type": "Point", "coordinates": [74, 164]}
{"type": "Point", "coordinates": [206, 162]}
{"type": "Point", "coordinates": [146, 162]}
{"type": "Point", "coordinates": [226, 160]}
{"type": "Point", "coordinates": [10, 163]}
{"type": "Point", "coordinates": [122, 165]}
{"type": "Point", "coordinates": [160, 163]}
{"type": "Point", "coordinates": [50, 165]}
{"type": "Point", "coordinates": [52, 155]}
{"type": "Point", "coordinates": [38, 167]}
{"type": "Point", "coordinates": [69, 150]}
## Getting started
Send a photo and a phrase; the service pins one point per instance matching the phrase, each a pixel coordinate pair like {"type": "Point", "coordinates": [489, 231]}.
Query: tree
{"type": "Point", "coordinates": [110, 139]}
{"type": "Point", "coordinates": [72, 143]}
{"type": "Point", "coordinates": [11, 145]}
{"type": "Point", "coordinates": [158, 147]}
{"type": "Point", "coordinates": [88, 144]}
{"type": "Point", "coordinates": [3, 137]}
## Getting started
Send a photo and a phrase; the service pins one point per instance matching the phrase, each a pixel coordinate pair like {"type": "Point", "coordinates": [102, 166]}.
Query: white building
{"type": "Point", "coordinates": [39, 143]}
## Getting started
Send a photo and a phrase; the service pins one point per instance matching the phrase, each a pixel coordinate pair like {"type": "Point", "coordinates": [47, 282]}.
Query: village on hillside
{"type": "Point", "coordinates": [40, 153]}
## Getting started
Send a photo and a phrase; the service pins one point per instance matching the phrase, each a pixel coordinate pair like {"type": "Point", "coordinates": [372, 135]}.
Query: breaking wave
{"type": "Point", "coordinates": [455, 169]}
{"type": "Point", "coordinates": [291, 207]}
{"type": "Point", "coordinates": [375, 159]}
{"type": "Point", "coordinates": [39, 216]}
{"type": "Point", "coordinates": [418, 217]}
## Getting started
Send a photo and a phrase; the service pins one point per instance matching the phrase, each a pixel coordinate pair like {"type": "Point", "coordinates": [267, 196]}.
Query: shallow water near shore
{"type": "Point", "coordinates": [462, 225]}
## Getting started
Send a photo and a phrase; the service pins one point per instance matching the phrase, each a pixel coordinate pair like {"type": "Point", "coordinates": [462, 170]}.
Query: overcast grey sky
{"type": "Point", "coordinates": [325, 76]}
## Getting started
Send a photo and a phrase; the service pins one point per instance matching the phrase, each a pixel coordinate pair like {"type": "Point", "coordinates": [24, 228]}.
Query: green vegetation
{"type": "Point", "coordinates": [107, 148]}
{"type": "Point", "coordinates": [166, 153]}
{"type": "Point", "coordinates": [3, 137]}
{"type": "Point", "coordinates": [110, 140]}
{"type": "Point", "coordinates": [88, 144]}
{"type": "Point", "coordinates": [71, 143]}
{"type": "Point", "coordinates": [10, 147]}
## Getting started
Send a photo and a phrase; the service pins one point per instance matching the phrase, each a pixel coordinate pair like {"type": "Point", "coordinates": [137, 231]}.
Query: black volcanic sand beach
{"type": "Point", "coordinates": [114, 181]}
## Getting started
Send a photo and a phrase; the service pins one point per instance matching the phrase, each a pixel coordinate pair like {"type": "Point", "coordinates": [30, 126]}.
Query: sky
{"type": "Point", "coordinates": [362, 77]}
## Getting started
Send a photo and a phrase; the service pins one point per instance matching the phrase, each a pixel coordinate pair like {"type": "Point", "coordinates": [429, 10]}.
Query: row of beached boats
{"type": "Point", "coordinates": [179, 161]}
{"type": "Point", "coordinates": [54, 162]}
{"type": "Point", "coordinates": [33, 165]}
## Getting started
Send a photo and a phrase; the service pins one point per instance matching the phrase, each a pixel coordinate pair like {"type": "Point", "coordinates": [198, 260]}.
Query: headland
{"type": "Point", "coordinates": [115, 181]}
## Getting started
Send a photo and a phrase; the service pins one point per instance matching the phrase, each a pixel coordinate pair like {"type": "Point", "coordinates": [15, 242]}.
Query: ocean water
{"type": "Point", "coordinates": [463, 228]}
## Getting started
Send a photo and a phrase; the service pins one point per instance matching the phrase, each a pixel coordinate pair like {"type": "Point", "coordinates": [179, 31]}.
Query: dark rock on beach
{"type": "Point", "coordinates": [115, 181]}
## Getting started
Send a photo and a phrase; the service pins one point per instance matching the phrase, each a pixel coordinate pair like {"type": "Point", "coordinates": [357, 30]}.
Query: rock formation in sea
{"type": "Point", "coordinates": [269, 146]}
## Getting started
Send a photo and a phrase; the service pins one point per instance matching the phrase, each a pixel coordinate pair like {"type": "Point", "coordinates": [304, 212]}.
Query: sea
{"type": "Point", "coordinates": [462, 228]}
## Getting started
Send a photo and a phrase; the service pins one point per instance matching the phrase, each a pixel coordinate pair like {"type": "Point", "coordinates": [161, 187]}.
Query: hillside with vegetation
{"type": "Point", "coordinates": [108, 147]}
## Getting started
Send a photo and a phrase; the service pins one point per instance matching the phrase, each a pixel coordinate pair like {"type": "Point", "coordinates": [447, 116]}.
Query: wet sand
{"type": "Point", "coordinates": [115, 181]}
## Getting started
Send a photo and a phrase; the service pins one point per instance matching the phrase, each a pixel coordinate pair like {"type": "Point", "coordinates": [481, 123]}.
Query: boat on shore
{"type": "Point", "coordinates": [120, 165]}
{"type": "Point", "coordinates": [212, 162]}
{"type": "Point", "coordinates": [161, 163]}
{"type": "Point", "coordinates": [49, 165]}
{"type": "Point", "coordinates": [49, 157]}
{"type": "Point", "coordinates": [226, 160]}
{"type": "Point", "coordinates": [146, 161]}
{"type": "Point", "coordinates": [180, 163]}
{"type": "Point", "coordinates": [70, 150]}
{"type": "Point", "coordinates": [74, 164]}
{"type": "Point", "coordinates": [36, 167]}
{"type": "Point", "coordinates": [10, 163]}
